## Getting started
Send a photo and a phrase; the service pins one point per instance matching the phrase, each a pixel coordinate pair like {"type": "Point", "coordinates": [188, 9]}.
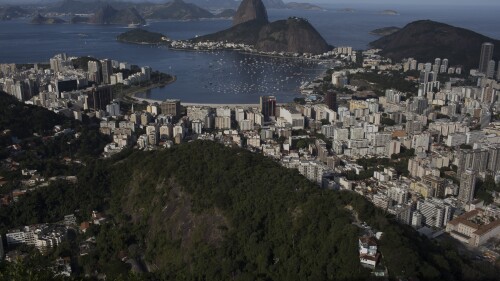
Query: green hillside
{"type": "Point", "coordinates": [201, 211]}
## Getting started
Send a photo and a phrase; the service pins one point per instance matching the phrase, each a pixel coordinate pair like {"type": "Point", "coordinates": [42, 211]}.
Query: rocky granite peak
{"type": "Point", "coordinates": [294, 35]}
{"type": "Point", "coordinates": [250, 10]}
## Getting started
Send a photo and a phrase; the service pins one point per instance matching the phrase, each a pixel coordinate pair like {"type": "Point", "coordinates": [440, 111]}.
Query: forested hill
{"type": "Point", "coordinates": [201, 211]}
{"type": "Point", "coordinates": [426, 40]}
{"type": "Point", "coordinates": [23, 120]}
{"type": "Point", "coordinates": [212, 213]}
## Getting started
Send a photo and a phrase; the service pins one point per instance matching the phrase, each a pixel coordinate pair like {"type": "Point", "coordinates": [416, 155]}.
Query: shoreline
{"type": "Point", "coordinates": [256, 53]}
{"type": "Point", "coordinates": [142, 43]}
{"type": "Point", "coordinates": [132, 94]}
{"type": "Point", "coordinates": [214, 105]}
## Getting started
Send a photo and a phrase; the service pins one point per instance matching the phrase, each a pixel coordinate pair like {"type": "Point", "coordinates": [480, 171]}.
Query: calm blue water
{"type": "Point", "coordinates": [226, 77]}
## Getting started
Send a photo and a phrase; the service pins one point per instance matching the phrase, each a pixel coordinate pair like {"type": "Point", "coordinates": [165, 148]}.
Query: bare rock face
{"type": "Point", "coordinates": [294, 35]}
{"type": "Point", "coordinates": [252, 27]}
{"type": "Point", "coordinates": [250, 10]}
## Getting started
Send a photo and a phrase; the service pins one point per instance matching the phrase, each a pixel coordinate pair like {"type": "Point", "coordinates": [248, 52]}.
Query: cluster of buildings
{"type": "Point", "coordinates": [369, 255]}
{"type": "Point", "coordinates": [342, 52]}
{"type": "Point", "coordinates": [445, 125]}
{"type": "Point", "coordinates": [486, 62]}
{"type": "Point", "coordinates": [47, 236]}
{"type": "Point", "coordinates": [439, 66]}
{"type": "Point", "coordinates": [65, 89]}
{"type": "Point", "coordinates": [42, 236]}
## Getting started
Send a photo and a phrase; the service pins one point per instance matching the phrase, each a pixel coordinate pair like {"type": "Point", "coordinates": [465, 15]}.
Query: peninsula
{"type": "Point", "coordinates": [251, 27]}
{"type": "Point", "coordinates": [384, 31]}
{"type": "Point", "coordinates": [141, 36]}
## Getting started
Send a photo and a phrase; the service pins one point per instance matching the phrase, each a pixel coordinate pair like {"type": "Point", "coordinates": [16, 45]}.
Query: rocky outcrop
{"type": "Point", "coordinates": [294, 35]}
{"type": "Point", "coordinates": [250, 10]}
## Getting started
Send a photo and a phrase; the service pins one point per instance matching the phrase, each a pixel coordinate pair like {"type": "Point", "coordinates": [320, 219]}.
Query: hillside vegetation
{"type": "Point", "coordinates": [201, 211]}
{"type": "Point", "coordinates": [426, 40]}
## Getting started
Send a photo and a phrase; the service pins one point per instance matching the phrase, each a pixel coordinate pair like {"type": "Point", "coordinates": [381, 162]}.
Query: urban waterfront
{"type": "Point", "coordinates": [222, 77]}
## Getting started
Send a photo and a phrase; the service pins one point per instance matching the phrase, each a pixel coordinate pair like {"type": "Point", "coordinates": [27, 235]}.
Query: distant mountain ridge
{"type": "Point", "coordinates": [39, 19]}
{"type": "Point", "coordinates": [304, 6]}
{"type": "Point", "coordinates": [274, 4]}
{"type": "Point", "coordinates": [12, 12]}
{"type": "Point", "coordinates": [178, 10]}
{"type": "Point", "coordinates": [110, 15]}
{"type": "Point", "coordinates": [425, 40]}
{"type": "Point", "coordinates": [250, 10]}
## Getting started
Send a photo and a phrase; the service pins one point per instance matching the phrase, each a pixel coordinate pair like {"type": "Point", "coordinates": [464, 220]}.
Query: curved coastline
{"type": "Point", "coordinates": [132, 94]}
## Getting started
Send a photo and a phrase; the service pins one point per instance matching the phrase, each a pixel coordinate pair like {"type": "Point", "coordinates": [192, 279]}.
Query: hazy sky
{"type": "Point", "coordinates": [347, 2]}
{"type": "Point", "coordinates": [403, 2]}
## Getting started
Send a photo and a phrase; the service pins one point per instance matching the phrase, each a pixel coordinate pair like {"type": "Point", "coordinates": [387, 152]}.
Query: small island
{"type": "Point", "coordinates": [141, 36]}
{"type": "Point", "coordinates": [39, 19]}
{"type": "Point", "coordinates": [389, 12]}
{"type": "Point", "coordinates": [346, 10]}
{"type": "Point", "coordinates": [384, 31]}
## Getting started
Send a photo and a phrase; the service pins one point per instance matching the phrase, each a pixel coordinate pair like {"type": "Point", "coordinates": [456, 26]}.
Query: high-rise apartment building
{"type": "Point", "coordinates": [95, 71]}
{"type": "Point", "coordinates": [467, 186]}
{"type": "Point", "coordinates": [472, 159]}
{"type": "Point", "coordinates": [331, 100]}
{"type": "Point", "coordinates": [97, 98]}
{"type": "Point", "coordinates": [486, 56]}
{"type": "Point", "coordinates": [268, 107]}
{"type": "Point", "coordinates": [107, 71]}
{"type": "Point", "coordinates": [498, 71]}
{"type": "Point", "coordinates": [435, 212]}
{"type": "Point", "coordinates": [444, 65]}
{"type": "Point", "coordinates": [171, 107]}
{"type": "Point", "coordinates": [490, 72]}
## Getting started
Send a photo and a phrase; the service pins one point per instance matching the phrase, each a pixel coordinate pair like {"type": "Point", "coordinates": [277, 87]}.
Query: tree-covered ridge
{"type": "Point", "coordinates": [23, 120]}
{"type": "Point", "coordinates": [201, 211]}
{"type": "Point", "coordinates": [27, 138]}
{"type": "Point", "coordinates": [280, 226]}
